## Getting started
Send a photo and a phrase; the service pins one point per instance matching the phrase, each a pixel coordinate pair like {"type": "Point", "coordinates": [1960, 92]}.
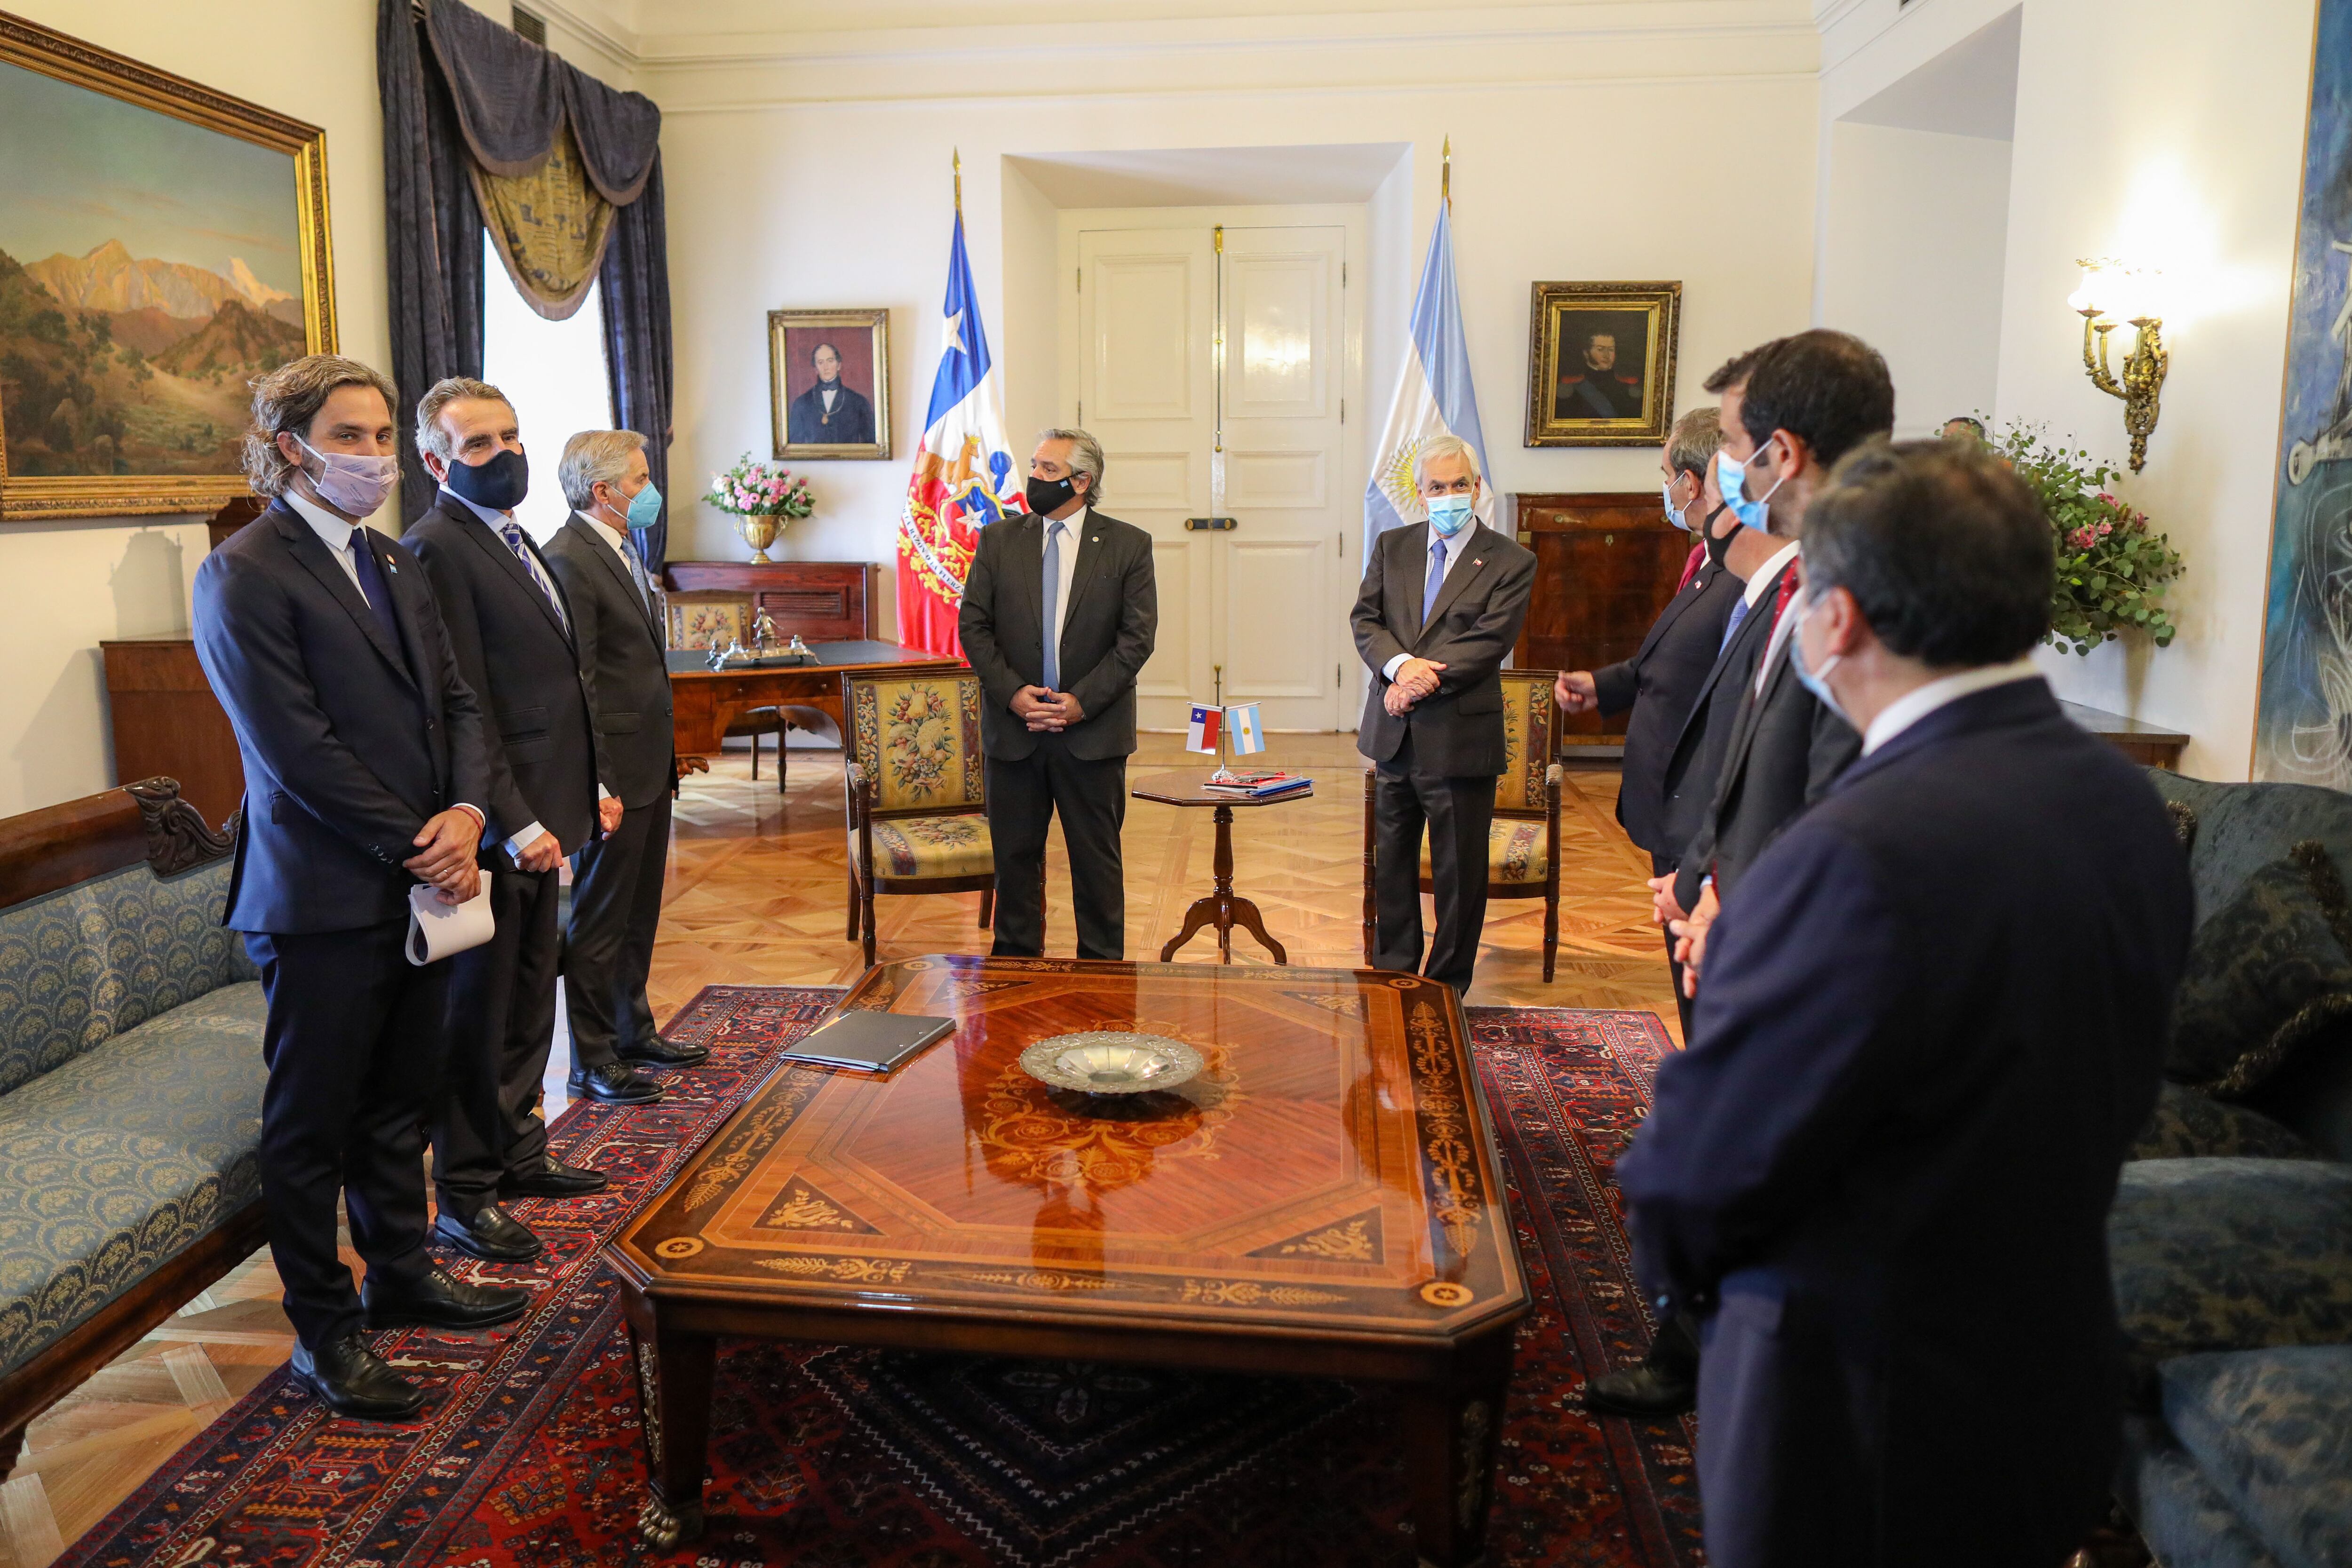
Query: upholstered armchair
{"type": "Point", "coordinates": [1523, 842]}
{"type": "Point", "coordinates": [917, 795]}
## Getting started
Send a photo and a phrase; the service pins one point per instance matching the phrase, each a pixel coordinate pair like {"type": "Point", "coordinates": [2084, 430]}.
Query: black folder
{"type": "Point", "coordinates": [869, 1041]}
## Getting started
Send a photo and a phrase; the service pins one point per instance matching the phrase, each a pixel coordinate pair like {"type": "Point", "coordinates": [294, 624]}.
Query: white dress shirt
{"type": "Point", "coordinates": [618, 543]}
{"type": "Point", "coordinates": [1917, 704]}
{"type": "Point", "coordinates": [1455, 548]}
{"type": "Point", "coordinates": [1074, 528]}
{"type": "Point", "coordinates": [335, 533]}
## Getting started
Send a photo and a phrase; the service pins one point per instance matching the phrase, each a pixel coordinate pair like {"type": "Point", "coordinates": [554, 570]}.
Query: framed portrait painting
{"type": "Point", "coordinates": [829, 383]}
{"type": "Point", "coordinates": [161, 244]}
{"type": "Point", "coordinates": [1600, 363]}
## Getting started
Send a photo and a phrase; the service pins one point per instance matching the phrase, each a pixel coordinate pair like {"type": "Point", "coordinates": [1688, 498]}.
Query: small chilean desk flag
{"type": "Point", "coordinates": [1201, 735]}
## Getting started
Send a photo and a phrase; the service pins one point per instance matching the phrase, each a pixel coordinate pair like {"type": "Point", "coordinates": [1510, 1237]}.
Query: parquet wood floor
{"type": "Point", "coordinates": [756, 897]}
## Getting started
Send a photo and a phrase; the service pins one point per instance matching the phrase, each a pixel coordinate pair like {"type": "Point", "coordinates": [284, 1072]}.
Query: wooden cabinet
{"type": "Point", "coordinates": [1606, 563]}
{"type": "Point", "coordinates": [166, 721]}
{"type": "Point", "coordinates": [824, 601]}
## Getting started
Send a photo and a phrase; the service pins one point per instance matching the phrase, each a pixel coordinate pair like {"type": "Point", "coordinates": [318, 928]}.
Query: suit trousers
{"type": "Point", "coordinates": [1023, 797]}
{"type": "Point", "coordinates": [616, 898]}
{"type": "Point", "coordinates": [354, 1046]}
{"type": "Point", "coordinates": [1456, 812]}
{"type": "Point", "coordinates": [1663, 865]}
{"type": "Point", "coordinates": [501, 1027]}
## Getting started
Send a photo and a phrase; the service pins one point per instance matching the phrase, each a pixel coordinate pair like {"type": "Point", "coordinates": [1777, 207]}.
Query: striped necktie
{"type": "Point", "coordinates": [511, 531]}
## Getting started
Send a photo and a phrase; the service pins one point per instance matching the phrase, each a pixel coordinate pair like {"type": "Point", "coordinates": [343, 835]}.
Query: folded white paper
{"type": "Point", "coordinates": [437, 929]}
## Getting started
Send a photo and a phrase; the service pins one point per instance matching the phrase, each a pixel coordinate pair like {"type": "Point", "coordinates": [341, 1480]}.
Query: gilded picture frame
{"type": "Point", "coordinates": [844, 415]}
{"type": "Point", "coordinates": [152, 433]}
{"type": "Point", "coordinates": [1600, 363]}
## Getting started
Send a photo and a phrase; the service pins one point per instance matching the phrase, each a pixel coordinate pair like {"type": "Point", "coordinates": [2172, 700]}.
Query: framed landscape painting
{"type": "Point", "coordinates": [1600, 363]}
{"type": "Point", "coordinates": [161, 244]}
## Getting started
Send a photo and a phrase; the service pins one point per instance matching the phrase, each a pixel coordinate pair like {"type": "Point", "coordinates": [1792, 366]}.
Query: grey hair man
{"type": "Point", "coordinates": [1440, 608]}
{"type": "Point", "coordinates": [616, 881]}
{"type": "Point", "coordinates": [1060, 611]}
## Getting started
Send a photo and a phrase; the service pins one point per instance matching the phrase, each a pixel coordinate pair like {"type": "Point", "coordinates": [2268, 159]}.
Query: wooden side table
{"type": "Point", "coordinates": [1223, 907]}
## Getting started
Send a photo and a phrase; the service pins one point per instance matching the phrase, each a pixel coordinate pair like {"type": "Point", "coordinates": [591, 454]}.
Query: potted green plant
{"type": "Point", "coordinates": [763, 498]}
{"type": "Point", "coordinates": [2112, 569]}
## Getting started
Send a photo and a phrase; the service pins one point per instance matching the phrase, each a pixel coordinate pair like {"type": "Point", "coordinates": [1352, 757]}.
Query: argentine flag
{"type": "Point", "coordinates": [1433, 396]}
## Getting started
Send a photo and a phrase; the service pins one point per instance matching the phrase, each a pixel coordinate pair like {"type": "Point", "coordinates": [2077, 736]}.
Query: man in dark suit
{"type": "Point", "coordinates": [1931, 1025]}
{"type": "Point", "coordinates": [366, 761]}
{"type": "Point", "coordinates": [1059, 613]}
{"type": "Point", "coordinates": [616, 882]}
{"type": "Point", "coordinates": [1598, 389]}
{"type": "Point", "coordinates": [829, 413]}
{"type": "Point", "coordinates": [1808, 400]}
{"type": "Point", "coordinates": [1439, 610]}
{"type": "Point", "coordinates": [513, 634]}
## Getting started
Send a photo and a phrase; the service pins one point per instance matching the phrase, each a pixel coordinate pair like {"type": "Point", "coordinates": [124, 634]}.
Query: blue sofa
{"type": "Point", "coordinates": [2231, 1250]}
{"type": "Point", "coordinates": [131, 1082]}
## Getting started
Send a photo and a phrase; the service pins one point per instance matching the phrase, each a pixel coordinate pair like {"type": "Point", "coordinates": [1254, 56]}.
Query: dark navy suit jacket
{"type": "Point", "coordinates": [349, 741]}
{"type": "Point", "coordinates": [1932, 1023]}
{"type": "Point", "coordinates": [1660, 683]}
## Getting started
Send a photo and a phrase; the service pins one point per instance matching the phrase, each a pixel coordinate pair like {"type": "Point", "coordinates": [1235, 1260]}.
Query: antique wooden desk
{"type": "Point", "coordinates": [703, 701]}
{"type": "Point", "coordinates": [1221, 908]}
{"type": "Point", "coordinates": [1324, 1199]}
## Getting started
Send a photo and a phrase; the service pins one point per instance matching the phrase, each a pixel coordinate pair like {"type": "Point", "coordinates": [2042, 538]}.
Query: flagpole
{"type": "Point", "coordinates": [1444, 173]}
{"type": "Point", "coordinates": [1224, 774]}
{"type": "Point", "coordinates": [958, 154]}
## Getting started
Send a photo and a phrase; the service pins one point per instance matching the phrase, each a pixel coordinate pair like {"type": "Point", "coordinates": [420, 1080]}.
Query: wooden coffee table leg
{"type": "Point", "coordinates": [1203, 912]}
{"type": "Point", "coordinates": [674, 1378]}
{"type": "Point", "coordinates": [1245, 915]}
{"type": "Point", "coordinates": [1451, 1428]}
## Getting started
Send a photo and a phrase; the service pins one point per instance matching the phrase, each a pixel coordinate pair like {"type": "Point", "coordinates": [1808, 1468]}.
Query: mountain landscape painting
{"type": "Point", "coordinates": [155, 259]}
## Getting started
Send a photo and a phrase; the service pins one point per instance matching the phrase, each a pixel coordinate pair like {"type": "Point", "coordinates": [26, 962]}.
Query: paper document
{"type": "Point", "coordinates": [437, 929]}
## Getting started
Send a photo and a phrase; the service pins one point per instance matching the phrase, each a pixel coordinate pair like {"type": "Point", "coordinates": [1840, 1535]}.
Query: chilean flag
{"type": "Point", "coordinates": [964, 476]}
{"type": "Point", "coordinates": [1201, 735]}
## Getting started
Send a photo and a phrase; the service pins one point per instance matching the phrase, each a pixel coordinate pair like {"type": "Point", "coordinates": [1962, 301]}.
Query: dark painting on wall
{"type": "Point", "coordinates": [159, 246]}
{"type": "Point", "coordinates": [829, 376]}
{"type": "Point", "coordinates": [2303, 730]}
{"type": "Point", "coordinates": [1600, 363]}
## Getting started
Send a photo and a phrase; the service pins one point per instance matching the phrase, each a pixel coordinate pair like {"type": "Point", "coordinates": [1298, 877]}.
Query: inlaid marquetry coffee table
{"type": "Point", "coordinates": [1323, 1200]}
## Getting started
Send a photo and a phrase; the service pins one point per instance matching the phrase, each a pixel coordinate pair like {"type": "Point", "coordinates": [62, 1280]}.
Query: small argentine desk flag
{"type": "Point", "coordinates": [1241, 725]}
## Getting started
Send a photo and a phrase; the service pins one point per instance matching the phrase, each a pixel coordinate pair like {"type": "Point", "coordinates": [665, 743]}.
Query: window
{"type": "Point", "coordinates": [553, 371]}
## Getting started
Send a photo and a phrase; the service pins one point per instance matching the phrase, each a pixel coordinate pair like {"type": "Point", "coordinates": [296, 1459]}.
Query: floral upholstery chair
{"type": "Point", "coordinates": [1523, 842]}
{"type": "Point", "coordinates": [918, 802]}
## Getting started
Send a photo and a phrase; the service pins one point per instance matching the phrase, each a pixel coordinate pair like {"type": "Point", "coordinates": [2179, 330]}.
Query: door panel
{"type": "Point", "coordinates": [1145, 327]}
{"type": "Point", "coordinates": [1267, 581]}
{"type": "Point", "coordinates": [1278, 302]}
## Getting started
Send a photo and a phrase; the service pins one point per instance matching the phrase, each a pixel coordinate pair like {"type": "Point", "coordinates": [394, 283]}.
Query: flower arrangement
{"type": "Point", "coordinates": [2112, 571]}
{"type": "Point", "coordinates": [752, 489]}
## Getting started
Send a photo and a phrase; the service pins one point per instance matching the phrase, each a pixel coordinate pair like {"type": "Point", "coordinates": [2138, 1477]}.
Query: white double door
{"type": "Point", "coordinates": [1217, 358]}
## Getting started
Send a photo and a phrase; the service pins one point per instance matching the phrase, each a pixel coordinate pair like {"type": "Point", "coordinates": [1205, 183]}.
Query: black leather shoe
{"type": "Point", "coordinates": [614, 1083]}
{"type": "Point", "coordinates": [439, 1300]}
{"type": "Point", "coordinates": [551, 1178]}
{"type": "Point", "coordinates": [489, 1232]}
{"type": "Point", "coordinates": [353, 1382]}
{"type": "Point", "coordinates": [1645, 1392]}
{"type": "Point", "coordinates": [659, 1053]}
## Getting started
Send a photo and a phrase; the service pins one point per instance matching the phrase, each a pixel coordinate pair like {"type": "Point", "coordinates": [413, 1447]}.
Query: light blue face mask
{"type": "Point", "coordinates": [1674, 513]}
{"type": "Point", "coordinates": [645, 506]}
{"type": "Point", "coordinates": [1729, 475]}
{"type": "Point", "coordinates": [1814, 680]}
{"type": "Point", "coordinates": [1449, 514]}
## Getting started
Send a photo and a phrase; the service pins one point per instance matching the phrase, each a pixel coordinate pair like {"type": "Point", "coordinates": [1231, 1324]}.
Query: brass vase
{"type": "Point", "coordinates": [760, 531]}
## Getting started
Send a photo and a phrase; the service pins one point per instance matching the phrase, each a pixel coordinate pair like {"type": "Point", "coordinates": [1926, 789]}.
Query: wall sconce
{"type": "Point", "coordinates": [2111, 294]}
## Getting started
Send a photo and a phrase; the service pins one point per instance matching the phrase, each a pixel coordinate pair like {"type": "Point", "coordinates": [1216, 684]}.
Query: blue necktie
{"type": "Point", "coordinates": [1739, 608]}
{"type": "Point", "coordinates": [511, 531]}
{"type": "Point", "coordinates": [375, 591]}
{"type": "Point", "coordinates": [1437, 579]}
{"type": "Point", "coordinates": [1053, 597]}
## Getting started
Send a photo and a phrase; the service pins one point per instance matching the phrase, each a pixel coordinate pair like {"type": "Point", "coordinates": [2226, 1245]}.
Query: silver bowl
{"type": "Point", "coordinates": [1110, 1061]}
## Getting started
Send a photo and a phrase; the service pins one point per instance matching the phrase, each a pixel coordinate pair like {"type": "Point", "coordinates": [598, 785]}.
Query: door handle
{"type": "Point", "coordinates": [1211, 524]}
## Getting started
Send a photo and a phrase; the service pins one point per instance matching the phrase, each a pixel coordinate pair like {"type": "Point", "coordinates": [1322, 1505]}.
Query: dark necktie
{"type": "Point", "coordinates": [511, 531]}
{"type": "Point", "coordinates": [1053, 674]}
{"type": "Point", "coordinates": [373, 587]}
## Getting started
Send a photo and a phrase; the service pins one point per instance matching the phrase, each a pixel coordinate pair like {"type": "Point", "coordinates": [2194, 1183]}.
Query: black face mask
{"type": "Point", "coordinates": [500, 484]}
{"type": "Point", "coordinates": [1049, 495]}
{"type": "Point", "coordinates": [1715, 547]}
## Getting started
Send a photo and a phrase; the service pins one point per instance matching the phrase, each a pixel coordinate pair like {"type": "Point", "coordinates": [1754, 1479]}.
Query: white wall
{"type": "Point", "coordinates": [1914, 224]}
{"type": "Point", "coordinates": [814, 171]}
{"type": "Point", "coordinates": [2167, 132]}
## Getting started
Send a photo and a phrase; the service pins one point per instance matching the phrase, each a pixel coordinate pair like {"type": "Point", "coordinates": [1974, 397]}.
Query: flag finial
{"type": "Point", "coordinates": [1446, 172]}
{"type": "Point", "coordinates": [959, 178]}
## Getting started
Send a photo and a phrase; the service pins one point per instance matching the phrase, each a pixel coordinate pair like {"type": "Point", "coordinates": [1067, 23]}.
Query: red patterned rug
{"type": "Point", "coordinates": [529, 1455]}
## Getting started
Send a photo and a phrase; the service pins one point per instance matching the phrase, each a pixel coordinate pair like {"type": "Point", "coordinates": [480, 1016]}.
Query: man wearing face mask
{"type": "Point", "coordinates": [365, 756]}
{"type": "Point", "coordinates": [1808, 400]}
{"type": "Point", "coordinates": [1440, 608]}
{"type": "Point", "coordinates": [1059, 613]}
{"type": "Point", "coordinates": [1660, 682]}
{"type": "Point", "coordinates": [616, 882]}
{"type": "Point", "coordinates": [1933, 1020]}
{"type": "Point", "coordinates": [512, 631]}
